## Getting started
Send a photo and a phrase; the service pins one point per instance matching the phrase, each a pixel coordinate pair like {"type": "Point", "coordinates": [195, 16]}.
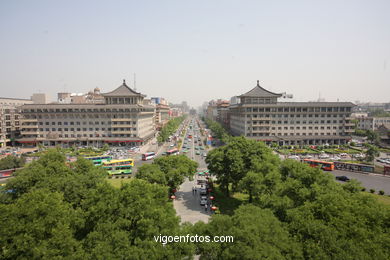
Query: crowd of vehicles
{"type": "Point", "coordinates": [344, 166]}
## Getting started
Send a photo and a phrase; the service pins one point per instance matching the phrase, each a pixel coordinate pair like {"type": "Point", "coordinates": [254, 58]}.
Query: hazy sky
{"type": "Point", "coordinates": [197, 50]}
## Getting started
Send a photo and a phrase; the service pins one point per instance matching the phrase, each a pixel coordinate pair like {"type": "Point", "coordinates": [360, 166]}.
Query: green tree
{"type": "Point", "coordinates": [152, 174]}
{"type": "Point", "coordinates": [257, 234]}
{"type": "Point", "coordinates": [53, 173]}
{"type": "Point", "coordinates": [176, 169]}
{"type": "Point", "coordinates": [372, 136]}
{"type": "Point", "coordinates": [371, 152]}
{"type": "Point", "coordinates": [233, 161]}
{"type": "Point", "coordinates": [39, 225]}
{"type": "Point", "coordinates": [126, 229]}
{"type": "Point", "coordinates": [12, 162]}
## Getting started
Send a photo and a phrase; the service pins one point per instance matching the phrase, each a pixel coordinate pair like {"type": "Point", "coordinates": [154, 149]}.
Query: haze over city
{"type": "Point", "coordinates": [197, 50]}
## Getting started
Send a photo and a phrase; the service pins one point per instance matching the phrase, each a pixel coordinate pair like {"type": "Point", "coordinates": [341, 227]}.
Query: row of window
{"type": "Point", "coordinates": [296, 128]}
{"type": "Point", "coordinates": [82, 129]}
{"type": "Point", "coordinates": [290, 134]}
{"type": "Point", "coordinates": [85, 135]}
{"type": "Point", "coordinates": [293, 116]}
{"type": "Point", "coordinates": [298, 122]}
{"type": "Point", "coordinates": [298, 109]}
{"type": "Point", "coordinates": [83, 110]}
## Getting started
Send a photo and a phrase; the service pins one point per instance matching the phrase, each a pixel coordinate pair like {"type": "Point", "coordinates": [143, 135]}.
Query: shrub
{"type": "Point", "coordinates": [381, 192]}
{"type": "Point", "coordinates": [372, 190]}
{"type": "Point", "coordinates": [363, 189]}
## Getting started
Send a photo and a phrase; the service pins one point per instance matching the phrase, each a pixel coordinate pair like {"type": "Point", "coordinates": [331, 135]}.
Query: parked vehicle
{"type": "Point", "coordinates": [342, 178]}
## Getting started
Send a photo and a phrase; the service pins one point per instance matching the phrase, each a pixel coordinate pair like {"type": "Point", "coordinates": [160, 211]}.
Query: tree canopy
{"type": "Point", "coordinates": [169, 129]}
{"type": "Point", "coordinates": [326, 219]}
{"type": "Point", "coordinates": [170, 171]}
{"type": "Point", "coordinates": [12, 162]}
{"type": "Point", "coordinates": [56, 209]}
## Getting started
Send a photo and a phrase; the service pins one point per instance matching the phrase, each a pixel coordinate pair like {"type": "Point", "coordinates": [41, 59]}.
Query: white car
{"type": "Point", "coordinates": [294, 157]}
{"type": "Point", "coordinates": [323, 156]}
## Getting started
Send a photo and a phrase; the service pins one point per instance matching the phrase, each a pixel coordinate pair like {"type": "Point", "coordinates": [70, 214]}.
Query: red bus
{"type": "Point", "coordinates": [148, 156]}
{"type": "Point", "coordinates": [327, 166]}
{"type": "Point", "coordinates": [174, 151]}
{"type": "Point", "coordinates": [386, 170]}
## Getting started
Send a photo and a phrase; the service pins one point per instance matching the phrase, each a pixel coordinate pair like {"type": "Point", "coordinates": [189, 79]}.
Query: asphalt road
{"type": "Point", "coordinates": [371, 181]}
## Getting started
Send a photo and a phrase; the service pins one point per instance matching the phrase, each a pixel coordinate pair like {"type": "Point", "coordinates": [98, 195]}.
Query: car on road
{"type": "Point", "coordinates": [342, 178]}
{"type": "Point", "coordinates": [204, 154]}
{"type": "Point", "coordinates": [203, 191]}
{"type": "Point", "coordinates": [203, 202]}
{"type": "Point", "coordinates": [335, 158]}
{"type": "Point", "coordinates": [197, 153]}
{"type": "Point", "coordinates": [294, 157]}
{"type": "Point", "coordinates": [323, 156]}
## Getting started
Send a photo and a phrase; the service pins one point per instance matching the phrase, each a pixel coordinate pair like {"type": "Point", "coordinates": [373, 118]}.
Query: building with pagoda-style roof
{"type": "Point", "coordinates": [259, 115]}
{"type": "Point", "coordinates": [123, 120]}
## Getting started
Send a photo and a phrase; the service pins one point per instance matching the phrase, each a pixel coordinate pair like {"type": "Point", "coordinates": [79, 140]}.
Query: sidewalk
{"type": "Point", "coordinates": [187, 204]}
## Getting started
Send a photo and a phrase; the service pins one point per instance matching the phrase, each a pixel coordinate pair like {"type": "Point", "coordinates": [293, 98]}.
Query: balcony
{"type": "Point", "coordinates": [22, 120]}
{"type": "Point", "coordinates": [29, 126]}
{"type": "Point", "coordinates": [122, 132]}
{"type": "Point", "coordinates": [121, 126]}
{"type": "Point", "coordinates": [29, 133]}
{"type": "Point", "coordinates": [120, 119]}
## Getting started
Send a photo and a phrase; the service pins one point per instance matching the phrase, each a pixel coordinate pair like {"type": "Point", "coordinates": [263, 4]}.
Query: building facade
{"type": "Point", "coordinates": [373, 123]}
{"type": "Point", "coordinates": [258, 115]}
{"type": "Point", "coordinates": [10, 119]}
{"type": "Point", "coordinates": [121, 120]}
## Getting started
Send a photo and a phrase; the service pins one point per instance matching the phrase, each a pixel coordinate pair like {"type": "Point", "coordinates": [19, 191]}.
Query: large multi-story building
{"type": "Point", "coordinates": [122, 119]}
{"type": "Point", "coordinates": [9, 119]}
{"type": "Point", "coordinates": [258, 115]}
{"type": "Point", "coordinates": [162, 111]}
{"type": "Point", "coordinates": [373, 123]}
{"type": "Point", "coordinates": [223, 115]}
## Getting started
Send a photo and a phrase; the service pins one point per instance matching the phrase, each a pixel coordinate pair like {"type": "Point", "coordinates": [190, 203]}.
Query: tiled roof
{"type": "Point", "coordinates": [122, 90]}
{"type": "Point", "coordinates": [258, 91]}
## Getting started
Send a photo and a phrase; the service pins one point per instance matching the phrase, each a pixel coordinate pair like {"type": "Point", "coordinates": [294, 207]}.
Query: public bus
{"type": "Point", "coordinates": [148, 156]}
{"type": "Point", "coordinates": [119, 166]}
{"type": "Point", "coordinates": [354, 167]}
{"type": "Point", "coordinates": [386, 170]}
{"type": "Point", "coordinates": [327, 166]}
{"type": "Point", "coordinates": [99, 160]}
{"type": "Point", "coordinates": [173, 151]}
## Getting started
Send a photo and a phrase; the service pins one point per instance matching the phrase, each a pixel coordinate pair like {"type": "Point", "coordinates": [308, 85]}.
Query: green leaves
{"type": "Point", "coordinates": [12, 162]}
{"type": "Point", "coordinates": [39, 225]}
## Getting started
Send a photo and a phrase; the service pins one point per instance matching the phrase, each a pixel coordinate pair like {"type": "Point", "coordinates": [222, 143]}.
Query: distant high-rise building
{"type": "Point", "coordinates": [40, 98]}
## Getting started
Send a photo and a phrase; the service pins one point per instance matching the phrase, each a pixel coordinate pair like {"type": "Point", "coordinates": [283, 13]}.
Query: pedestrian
{"type": "Point", "coordinates": [196, 189]}
{"type": "Point", "coordinates": [205, 207]}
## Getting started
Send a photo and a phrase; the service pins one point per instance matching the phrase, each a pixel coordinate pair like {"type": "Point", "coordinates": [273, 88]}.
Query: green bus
{"type": "Point", "coordinates": [99, 160]}
{"type": "Point", "coordinates": [116, 167]}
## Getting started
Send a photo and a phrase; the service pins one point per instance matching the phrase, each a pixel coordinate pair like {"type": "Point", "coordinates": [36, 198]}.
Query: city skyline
{"type": "Point", "coordinates": [197, 52]}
